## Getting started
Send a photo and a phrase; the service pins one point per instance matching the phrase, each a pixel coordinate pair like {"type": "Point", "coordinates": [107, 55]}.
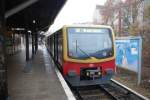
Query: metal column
{"type": "Point", "coordinates": [27, 46]}
{"type": "Point", "coordinates": [13, 40]}
{"type": "Point", "coordinates": [3, 67]}
{"type": "Point", "coordinates": [36, 42]}
{"type": "Point", "coordinates": [33, 43]}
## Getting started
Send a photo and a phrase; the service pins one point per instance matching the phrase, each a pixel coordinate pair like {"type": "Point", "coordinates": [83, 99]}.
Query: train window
{"type": "Point", "coordinates": [52, 44]}
{"type": "Point", "coordinates": [60, 48]}
{"type": "Point", "coordinates": [55, 47]}
{"type": "Point", "coordinates": [84, 43]}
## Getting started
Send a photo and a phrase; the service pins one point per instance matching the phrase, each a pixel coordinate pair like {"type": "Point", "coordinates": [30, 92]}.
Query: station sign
{"type": "Point", "coordinates": [88, 30]}
{"type": "Point", "coordinates": [128, 54]}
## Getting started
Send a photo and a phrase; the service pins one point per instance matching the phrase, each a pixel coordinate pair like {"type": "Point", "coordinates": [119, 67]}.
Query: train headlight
{"type": "Point", "coordinates": [99, 73]}
{"type": "Point", "coordinates": [87, 74]}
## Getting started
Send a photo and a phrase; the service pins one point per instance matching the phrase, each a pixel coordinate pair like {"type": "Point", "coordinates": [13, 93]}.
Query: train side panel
{"type": "Point", "coordinates": [56, 48]}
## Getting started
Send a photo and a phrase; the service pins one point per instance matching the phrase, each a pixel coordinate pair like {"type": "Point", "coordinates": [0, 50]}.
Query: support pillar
{"type": "Point", "coordinates": [3, 67]}
{"type": "Point", "coordinates": [27, 46]}
{"type": "Point", "coordinates": [33, 43]}
{"type": "Point", "coordinates": [14, 49]}
{"type": "Point", "coordinates": [36, 42]}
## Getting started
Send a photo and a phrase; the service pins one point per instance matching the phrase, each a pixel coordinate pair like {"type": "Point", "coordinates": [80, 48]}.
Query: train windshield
{"type": "Point", "coordinates": [84, 43]}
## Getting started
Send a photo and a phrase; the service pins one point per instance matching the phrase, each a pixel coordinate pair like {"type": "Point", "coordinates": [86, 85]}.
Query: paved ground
{"type": "Point", "coordinates": [34, 80]}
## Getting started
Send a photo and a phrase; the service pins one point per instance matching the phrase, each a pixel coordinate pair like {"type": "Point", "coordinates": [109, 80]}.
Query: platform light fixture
{"type": "Point", "coordinates": [17, 29]}
{"type": "Point", "coordinates": [29, 31]}
{"type": "Point", "coordinates": [34, 21]}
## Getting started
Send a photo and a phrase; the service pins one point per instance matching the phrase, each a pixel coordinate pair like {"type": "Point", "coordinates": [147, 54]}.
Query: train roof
{"type": "Point", "coordinates": [84, 25]}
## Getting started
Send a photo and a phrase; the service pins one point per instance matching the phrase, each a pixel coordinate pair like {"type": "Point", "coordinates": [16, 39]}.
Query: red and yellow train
{"type": "Point", "coordinates": [84, 54]}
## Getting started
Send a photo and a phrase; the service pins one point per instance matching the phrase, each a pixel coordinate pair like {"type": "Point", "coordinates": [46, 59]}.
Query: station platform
{"type": "Point", "coordinates": [33, 80]}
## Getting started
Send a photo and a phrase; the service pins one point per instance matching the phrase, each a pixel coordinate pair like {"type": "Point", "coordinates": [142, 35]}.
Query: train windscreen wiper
{"type": "Point", "coordinates": [82, 50]}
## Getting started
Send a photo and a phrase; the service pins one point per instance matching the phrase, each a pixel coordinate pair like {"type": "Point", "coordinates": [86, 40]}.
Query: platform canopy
{"type": "Point", "coordinates": [31, 14]}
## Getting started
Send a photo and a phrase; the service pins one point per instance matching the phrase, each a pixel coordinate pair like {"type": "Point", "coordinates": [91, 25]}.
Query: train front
{"type": "Point", "coordinates": [89, 55]}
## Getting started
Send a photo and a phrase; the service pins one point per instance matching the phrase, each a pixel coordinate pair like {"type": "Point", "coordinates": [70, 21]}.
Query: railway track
{"type": "Point", "coordinates": [111, 91]}
{"type": "Point", "coordinates": [90, 93]}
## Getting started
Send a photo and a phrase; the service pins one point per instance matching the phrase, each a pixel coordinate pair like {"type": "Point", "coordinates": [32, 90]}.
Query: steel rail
{"type": "Point", "coordinates": [112, 91]}
{"type": "Point", "coordinates": [130, 91]}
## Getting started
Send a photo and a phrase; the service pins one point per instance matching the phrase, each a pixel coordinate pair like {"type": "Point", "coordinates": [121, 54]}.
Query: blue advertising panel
{"type": "Point", "coordinates": [128, 53]}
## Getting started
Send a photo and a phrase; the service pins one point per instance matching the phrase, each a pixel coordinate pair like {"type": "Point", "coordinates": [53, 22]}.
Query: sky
{"type": "Point", "coordinates": [75, 11]}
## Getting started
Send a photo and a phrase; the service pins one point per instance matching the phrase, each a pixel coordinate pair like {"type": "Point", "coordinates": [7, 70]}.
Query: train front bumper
{"type": "Point", "coordinates": [75, 80]}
